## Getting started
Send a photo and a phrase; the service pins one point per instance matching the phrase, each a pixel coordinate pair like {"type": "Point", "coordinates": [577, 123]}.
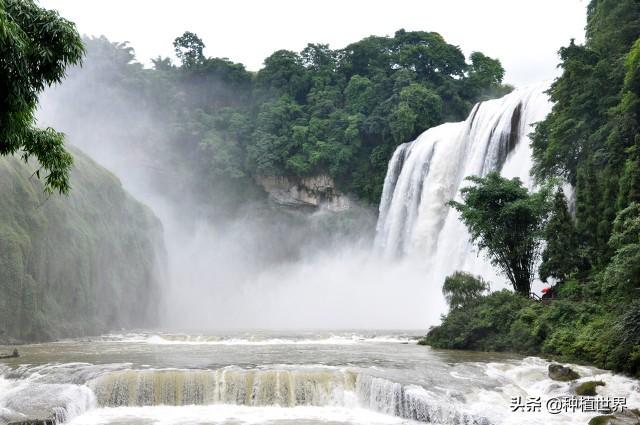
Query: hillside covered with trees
{"type": "Point", "coordinates": [591, 140]}
{"type": "Point", "coordinates": [217, 126]}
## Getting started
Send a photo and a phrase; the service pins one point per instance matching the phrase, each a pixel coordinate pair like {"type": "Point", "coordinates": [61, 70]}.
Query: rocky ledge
{"type": "Point", "coordinates": [309, 192]}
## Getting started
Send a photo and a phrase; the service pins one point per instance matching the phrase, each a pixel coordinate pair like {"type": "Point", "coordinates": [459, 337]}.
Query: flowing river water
{"type": "Point", "coordinates": [274, 378]}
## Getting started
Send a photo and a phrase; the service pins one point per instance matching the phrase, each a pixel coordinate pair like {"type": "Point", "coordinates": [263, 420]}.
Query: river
{"type": "Point", "coordinates": [312, 377]}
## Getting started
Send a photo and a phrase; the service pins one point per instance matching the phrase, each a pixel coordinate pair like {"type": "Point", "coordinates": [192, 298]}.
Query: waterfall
{"type": "Point", "coordinates": [425, 174]}
{"type": "Point", "coordinates": [285, 387]}
{"type": "Point", "coordinates": [227, 385]}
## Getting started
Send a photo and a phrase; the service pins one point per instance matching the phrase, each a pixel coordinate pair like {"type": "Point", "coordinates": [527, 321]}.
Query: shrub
{"type": "Point", "coordinates": [462, 289]}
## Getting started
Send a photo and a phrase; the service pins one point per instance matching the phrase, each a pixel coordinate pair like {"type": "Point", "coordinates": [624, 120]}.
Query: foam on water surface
{"type": "Point", "coordinates": [235, 415]}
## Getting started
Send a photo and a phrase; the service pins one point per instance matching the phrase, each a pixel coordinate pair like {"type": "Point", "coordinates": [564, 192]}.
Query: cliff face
{"type": "Point", "coordinates": [310, 192]}
{"type": "Point", "coordinates": [75, 265]}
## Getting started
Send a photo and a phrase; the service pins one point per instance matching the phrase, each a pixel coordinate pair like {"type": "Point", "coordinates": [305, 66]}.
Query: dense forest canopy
{"type": "Point", "coordinates": [318, 111]}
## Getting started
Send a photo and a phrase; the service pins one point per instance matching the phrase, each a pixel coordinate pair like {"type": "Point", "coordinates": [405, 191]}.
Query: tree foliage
{"type": "Point", "coordinates": [591, 136]}
{"type": "Point", "coordinates": [317, 111]}
{"type": "Point", "coordinates": [37, 46]}
{"type": "Point", "coordinates": [189, 49]}
{"type": "Point", "coordinates": [560, 258]}
{"type": "Point", "coordinates": [462, 289]}
{"type": "Point", "coordinates": [352, 107]}
{"type": "Point", "coordinates": [506, 221]}
{"type": "Point", "coordinates": [622, 275]}
{"type": "Point", "coordinates": [484, 325]}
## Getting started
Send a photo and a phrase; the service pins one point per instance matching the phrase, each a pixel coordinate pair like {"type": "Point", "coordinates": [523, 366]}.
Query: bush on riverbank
{"type": "Point", "coordinates": [574, 328]}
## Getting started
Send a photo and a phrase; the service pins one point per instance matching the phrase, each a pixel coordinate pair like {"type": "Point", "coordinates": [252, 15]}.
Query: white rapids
{"type": "Point", "coordinates": [124, 379]}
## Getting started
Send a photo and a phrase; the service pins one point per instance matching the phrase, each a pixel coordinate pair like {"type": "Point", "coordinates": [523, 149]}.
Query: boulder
{"type": "Point", "coordinates": [602, 420]}
{"type": "Point", "coordinates": [628, 417]}
{"type": "Point", "coordinates": [589, 388]}
{"type": "Point", "coordinates": [558, 372]}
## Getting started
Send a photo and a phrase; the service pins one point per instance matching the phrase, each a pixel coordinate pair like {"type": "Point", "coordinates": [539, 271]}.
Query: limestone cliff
{"type": "Point", "coordinates": [78, 264]}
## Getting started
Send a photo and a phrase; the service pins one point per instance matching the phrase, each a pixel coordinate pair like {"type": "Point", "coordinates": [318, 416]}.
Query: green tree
{"type": "Point", "coordinates": [189, 49]}
{"type": "Point", "coordinates": [483, 325]}
{"type": "Point", "coordinates": [485, 77]}
{"type": "Point", "coordinates": [319, 58]}
{"type": "Point", "coordinates": [506, 221]}
{"type": "Point", "coordinates": [226, 155]}
{"type": "Point", "coordinates": [560, 257]}
{"type": "Point", "coordinates": [622, 275]}
{"type": "Point", "coordinates": [625, 138]}
{"type": "Point", "coordinates": [461, 289]}
{"type": "Point", "coordinates": [162, 64]}
{"type": "Point", "coordinates": [37, 46]}
{"type": "Point", "coordinates": [485, 70]}
{"type": "Point", "coordinates": [359, 94]}
{"type": "Point", "coordinates": [283, 73]}
{"type": "Point", "coordinates": [419, 108]}
{"type": "Point", "coordinates": [429, 55]}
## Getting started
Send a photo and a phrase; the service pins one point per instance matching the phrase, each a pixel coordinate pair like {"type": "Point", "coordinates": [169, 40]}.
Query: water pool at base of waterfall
{"type": "Point", "coordinates": [354, 377]}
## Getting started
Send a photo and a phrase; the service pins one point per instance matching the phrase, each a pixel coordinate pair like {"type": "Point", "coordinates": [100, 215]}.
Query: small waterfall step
{"type": "Point", "coordinates": [276, 387]}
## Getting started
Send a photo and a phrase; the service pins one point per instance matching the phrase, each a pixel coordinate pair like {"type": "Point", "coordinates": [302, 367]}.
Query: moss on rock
{"type": "Point", "coordinates": [601, 420]}
{"type": "Point", "coordinates": [588, 388]}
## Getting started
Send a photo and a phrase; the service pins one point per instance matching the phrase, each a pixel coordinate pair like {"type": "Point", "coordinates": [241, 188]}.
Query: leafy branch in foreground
{"type": "Point", "coordinates": [37, 46]}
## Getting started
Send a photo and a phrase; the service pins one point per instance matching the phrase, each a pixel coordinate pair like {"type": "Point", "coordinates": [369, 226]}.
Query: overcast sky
{"type": "Point", "coordinates": [524, 34]}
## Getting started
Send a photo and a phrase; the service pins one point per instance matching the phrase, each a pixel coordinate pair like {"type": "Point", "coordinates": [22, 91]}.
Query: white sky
{"type": "Point", "coordinates": [524, 34]}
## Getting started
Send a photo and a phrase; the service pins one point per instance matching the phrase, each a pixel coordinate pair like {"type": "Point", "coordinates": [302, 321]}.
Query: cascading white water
{"type": "Point", "coordinates": [284, 387]}
{"type": "Point", "coordinates": [425, 174]}
{"type": "Point", "coordinates": [409, 385]}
